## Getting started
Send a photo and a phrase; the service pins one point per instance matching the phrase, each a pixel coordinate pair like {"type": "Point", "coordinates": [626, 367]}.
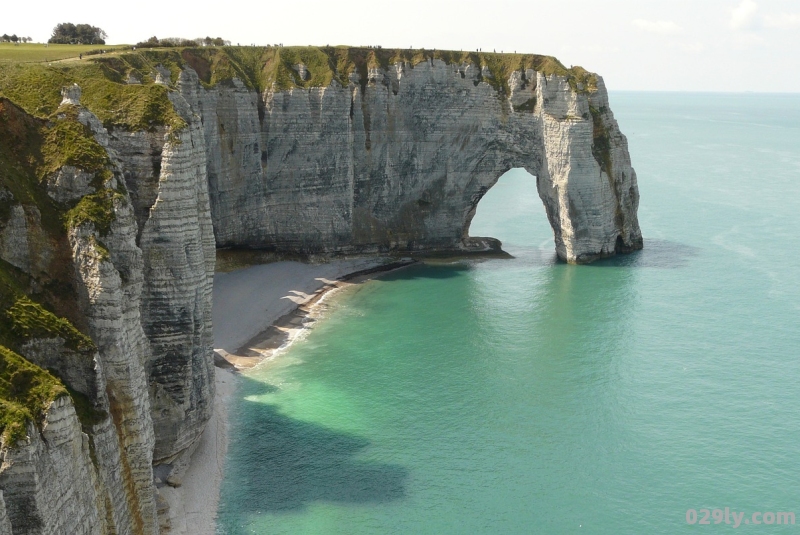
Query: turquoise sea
{"type": "Point", "coordinates": [528, 396]}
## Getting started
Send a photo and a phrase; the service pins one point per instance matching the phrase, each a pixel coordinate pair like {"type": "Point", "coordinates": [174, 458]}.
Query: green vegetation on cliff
{"type": "Point", "coordinates": [96, 208]}
{"type": "Point", "coordinates": [23, 319]}
{"type": "Point", "coordinates": [26, 391]}
{"type": "Point", "coordinates": [32, 150]}
{"type": "Point", "coordinates": [105, 93]}
{"type": "Point", "coordinates": [30, 320]}
{"type": "Point", "coordinates": [68, 142]}
{"type": "Point", "coordinates": [21, 141]}
{"type": "Point", "coordinates": [143, 105]}
{"type": "Point", "coordinates": [261, 67]}
{"type": "Point", "coordinates": [31, 307]}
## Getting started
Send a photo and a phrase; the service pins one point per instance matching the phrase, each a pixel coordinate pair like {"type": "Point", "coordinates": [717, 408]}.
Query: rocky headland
{"type": "Point", "coordinates": [120, 177]}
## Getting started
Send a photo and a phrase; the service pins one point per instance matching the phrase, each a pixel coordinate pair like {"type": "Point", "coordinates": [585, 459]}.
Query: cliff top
{"type": "Point", "coordinates": [261, 67]}
{"type": "Point", "coordinates": [121, 88]}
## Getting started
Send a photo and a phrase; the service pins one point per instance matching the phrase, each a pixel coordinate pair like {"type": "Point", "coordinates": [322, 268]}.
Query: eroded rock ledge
{"type": "Point", "coordinates": [112, 202]}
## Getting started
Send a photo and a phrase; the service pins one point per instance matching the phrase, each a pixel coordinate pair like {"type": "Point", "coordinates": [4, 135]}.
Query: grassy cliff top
{"type": "Point", "coordinates": [36, 87]}
{"type": "Point", "coordinates": [41, 52]}
{"type": "Point", "coordinates": [262, 68]}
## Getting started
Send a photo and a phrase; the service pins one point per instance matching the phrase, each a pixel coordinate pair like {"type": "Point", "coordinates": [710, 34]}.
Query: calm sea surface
{"type": "Point", "coordinates": [529, 396]}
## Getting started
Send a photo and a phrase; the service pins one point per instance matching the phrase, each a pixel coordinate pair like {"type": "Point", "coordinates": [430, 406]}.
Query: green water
{"type": "Point", "coordinates": [529, 396]}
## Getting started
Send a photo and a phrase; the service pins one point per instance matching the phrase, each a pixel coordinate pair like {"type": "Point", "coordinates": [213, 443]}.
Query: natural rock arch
{"type": "Point", "coordinates": [485, 221]}
{"type": "Point", "coordinates": [399, 164]}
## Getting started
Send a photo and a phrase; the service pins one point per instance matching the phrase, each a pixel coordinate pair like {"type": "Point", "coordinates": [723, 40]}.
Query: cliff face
{"type": "Point", "coordinates": [177, 246]}
{"type": "Point", "coordinates": [400, 162]}
{"type": "Point", "coordinates": [50, 484]}
{"type": "Point", "coordinates": [110, 214]}
{"type": "Point", "coordinates": [140, 280]}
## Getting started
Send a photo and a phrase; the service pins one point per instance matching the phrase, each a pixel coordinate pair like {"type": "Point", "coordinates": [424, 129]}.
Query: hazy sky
{"type": "Point", "coordinates": [697, 45]}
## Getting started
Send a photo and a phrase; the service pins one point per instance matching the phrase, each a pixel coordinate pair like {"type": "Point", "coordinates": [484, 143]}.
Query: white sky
{"type": "Point", "coordinates": [672, 45]}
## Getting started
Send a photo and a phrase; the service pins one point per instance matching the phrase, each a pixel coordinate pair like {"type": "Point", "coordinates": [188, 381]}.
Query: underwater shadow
{"type": "Point", "coordinates": [429, 270]}
{"type": "Point", "coordinates": [278, 463]}
{"type": "Point", "coordinates": [662, 254]}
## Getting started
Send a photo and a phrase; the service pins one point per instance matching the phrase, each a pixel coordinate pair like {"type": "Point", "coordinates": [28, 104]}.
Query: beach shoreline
{"type": "Point", "coordinates": [258, 311]}
{"type": "Point", "coordinates": [284, 330]}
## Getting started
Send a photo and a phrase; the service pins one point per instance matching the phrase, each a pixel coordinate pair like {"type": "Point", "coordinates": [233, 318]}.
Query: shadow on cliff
{"type": "Point", "coordinates": [280, 464]}
{"type": "Point", "coordinates": [662, 254]}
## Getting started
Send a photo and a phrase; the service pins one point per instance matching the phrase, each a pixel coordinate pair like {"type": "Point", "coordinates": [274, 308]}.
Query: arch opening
{"type": "Point", "coordinates": [512, 212]}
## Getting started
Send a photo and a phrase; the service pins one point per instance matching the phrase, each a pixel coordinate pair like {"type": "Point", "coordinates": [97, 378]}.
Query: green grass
{"type": "Point", "coordinates": [69, 142]}
{"type": "Point", "coordinates": [146, 106]}
{"type": "Point", "coordinates": [104, 93]}
{"type": "Point", "coordinates": [30, 320]}
{"type": "Point", "coordinates": [38, 52]}
{"type": "Point", "coordinates": [96, 208]}
{"type": "Point", "coordinates": [26, 391]}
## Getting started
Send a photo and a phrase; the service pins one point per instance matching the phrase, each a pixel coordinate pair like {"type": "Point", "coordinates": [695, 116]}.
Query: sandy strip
{"type": "Point", "coordinates": [193, 505]}
{"type": "Point", "coordinates": [256, 310]}
{"type": "Point", "coordinates": [247, 301]}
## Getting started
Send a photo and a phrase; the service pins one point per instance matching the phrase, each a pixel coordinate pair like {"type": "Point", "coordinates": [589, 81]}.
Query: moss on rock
{"type": "Point", "coordinates": [68, 142]}
{"type": "Point", "coordinates": [104, 93]}
{"type": "Point", "coordinates": [96, 208]}
{"type": "Point", "coordinates": [30, 320]}
{"type": "Point", "coordinates": [26, 391]}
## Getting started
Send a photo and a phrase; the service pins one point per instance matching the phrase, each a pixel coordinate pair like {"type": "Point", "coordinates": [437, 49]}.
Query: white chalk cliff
{"type": "Point", "coordinates": [393, 159]}
{"type": "Point", "coordinates": [399, 163]}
